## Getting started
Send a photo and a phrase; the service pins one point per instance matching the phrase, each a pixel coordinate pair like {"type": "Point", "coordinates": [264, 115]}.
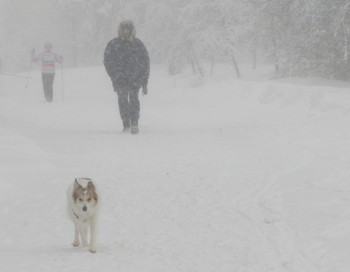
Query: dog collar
{"type": "Point", "coordinates": [77, 217]}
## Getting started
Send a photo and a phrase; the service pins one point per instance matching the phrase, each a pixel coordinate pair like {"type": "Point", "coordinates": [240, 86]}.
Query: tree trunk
{"type": "Point", "coordinates": [199, 68]}
{"type": "Point", "coordinates": [193, 65]}
{"type": "Point", "coordinates": [254, 58]}
{"type": "Point", "coordinates": [235, 65]}
{"type": "Point", "coordinates": [212, 65]}
{"type": "Point", "coordinates": [74, 48]}
{"type": "Point", "coordinates": [275, 56]}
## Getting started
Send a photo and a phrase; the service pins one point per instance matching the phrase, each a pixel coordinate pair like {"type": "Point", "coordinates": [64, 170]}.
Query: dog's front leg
{"type": "Point", "coordinates": [93, 236]}
{"type": "Point", "coordinates": [84, 233]}
{"type": "Point", "coordinates": [76, 235]}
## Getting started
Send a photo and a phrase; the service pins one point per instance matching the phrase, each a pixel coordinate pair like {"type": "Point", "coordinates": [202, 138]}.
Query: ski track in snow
{"type": "Point", "coordinates": [225, 175]}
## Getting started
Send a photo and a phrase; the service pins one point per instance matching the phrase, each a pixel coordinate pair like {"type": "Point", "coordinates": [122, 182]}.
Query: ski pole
{"type": "Point", "coordinates": [62, 82]}
{"type": "Point", "coordinates": [28, 76]}
{"type": "Point", "coordinates": [30, 67]}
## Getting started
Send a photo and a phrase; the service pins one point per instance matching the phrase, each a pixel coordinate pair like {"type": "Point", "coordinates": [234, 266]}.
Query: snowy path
{"type": "Point", "coordinates": [228, 176]}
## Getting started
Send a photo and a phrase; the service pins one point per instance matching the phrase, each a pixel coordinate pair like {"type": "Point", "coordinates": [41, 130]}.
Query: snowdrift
{"type": "Point", "coordinates": [225, 175]}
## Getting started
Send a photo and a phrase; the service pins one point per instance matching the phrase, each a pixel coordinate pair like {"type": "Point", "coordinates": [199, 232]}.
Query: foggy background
{"type": "Point", "coordinates": [300, 38]}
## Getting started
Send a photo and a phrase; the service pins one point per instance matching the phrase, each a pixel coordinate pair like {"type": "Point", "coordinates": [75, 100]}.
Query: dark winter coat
{"type": "Point", "coordinates": [127, 62]}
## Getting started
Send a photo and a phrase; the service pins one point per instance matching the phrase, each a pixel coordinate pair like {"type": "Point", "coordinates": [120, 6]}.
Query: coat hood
{"type": "Point", "coordinates": [127, 24]}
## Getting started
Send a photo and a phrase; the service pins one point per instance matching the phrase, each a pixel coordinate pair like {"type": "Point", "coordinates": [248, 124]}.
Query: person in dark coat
{"type": "Point", "coordinates": [127, 63]}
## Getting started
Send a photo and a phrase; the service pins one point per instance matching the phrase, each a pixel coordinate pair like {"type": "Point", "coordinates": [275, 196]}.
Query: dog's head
{"type": "Point", "coordinates": [84, 194]}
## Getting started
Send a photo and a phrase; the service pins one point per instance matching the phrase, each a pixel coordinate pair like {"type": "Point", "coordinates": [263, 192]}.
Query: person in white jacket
{"type": "Point", "coordinates": [48, 59]}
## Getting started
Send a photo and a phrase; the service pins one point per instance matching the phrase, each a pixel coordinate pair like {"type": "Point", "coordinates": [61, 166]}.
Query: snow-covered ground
{"type": "Point", "coordinates": [246, 175]}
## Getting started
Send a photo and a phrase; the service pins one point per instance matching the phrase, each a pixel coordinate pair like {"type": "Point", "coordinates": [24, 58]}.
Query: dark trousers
{"type": "Point", "coordinates": [129, 104]}
{"type": "Point", "coordinates": [48, 85]}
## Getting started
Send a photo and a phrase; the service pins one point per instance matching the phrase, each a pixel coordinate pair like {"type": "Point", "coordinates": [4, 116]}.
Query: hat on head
{"type": "Point", "coordinates": [128, 24]}
{"type": "Point", "coordinates": [48, 45]}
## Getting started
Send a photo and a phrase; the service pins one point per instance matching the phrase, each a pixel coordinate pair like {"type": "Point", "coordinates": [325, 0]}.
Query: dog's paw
{"type": "Point", "coordinates": [75, 243]}
{"type": "Point", "coordinates": [92, 250]}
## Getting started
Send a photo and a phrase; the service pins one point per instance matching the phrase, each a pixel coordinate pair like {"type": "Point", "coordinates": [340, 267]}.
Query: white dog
{"type": "Point", "coordinates": [82, 205]}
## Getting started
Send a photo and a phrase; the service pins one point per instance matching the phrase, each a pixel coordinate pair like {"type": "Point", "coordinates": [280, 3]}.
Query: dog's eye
{"type": "Point", "coordinates": [80, 199]}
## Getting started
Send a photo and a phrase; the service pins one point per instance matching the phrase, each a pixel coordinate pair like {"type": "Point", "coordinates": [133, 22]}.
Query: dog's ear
{"type": "Point", "coordinates": [91, 186]}
{"type": "Point", "coordinates": [76, 184]}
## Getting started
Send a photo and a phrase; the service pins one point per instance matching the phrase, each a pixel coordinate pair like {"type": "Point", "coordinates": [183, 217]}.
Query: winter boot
{"type": "Point", "coordinates": [126, 126]}
{"type": "Point", "coordinates": [134, 127]}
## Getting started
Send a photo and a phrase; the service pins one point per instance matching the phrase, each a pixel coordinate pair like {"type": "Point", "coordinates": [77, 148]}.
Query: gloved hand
{"type": "Point", "coordinates": [144, 89]}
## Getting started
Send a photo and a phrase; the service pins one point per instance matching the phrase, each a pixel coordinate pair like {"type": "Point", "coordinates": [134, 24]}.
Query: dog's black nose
{"type": "Point", "coordinates": [84, 208]}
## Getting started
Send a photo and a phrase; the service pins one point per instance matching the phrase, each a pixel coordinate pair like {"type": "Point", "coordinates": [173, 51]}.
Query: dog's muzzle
{"type": "Point", "coordinates": [84, 208]}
